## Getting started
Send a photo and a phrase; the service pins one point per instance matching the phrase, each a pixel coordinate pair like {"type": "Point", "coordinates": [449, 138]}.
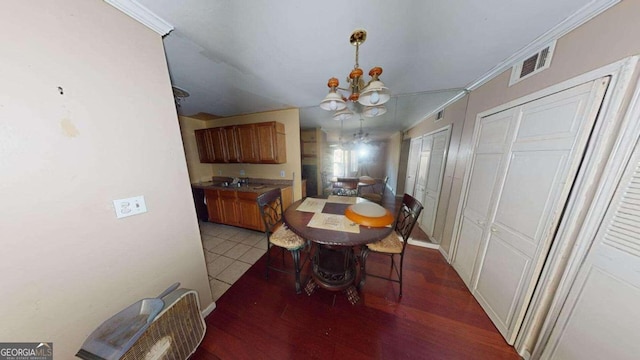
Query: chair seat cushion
{"type": "Point", "coordinates": [390, 245]}
{"type": "Point", "coordinates": [285, 238]}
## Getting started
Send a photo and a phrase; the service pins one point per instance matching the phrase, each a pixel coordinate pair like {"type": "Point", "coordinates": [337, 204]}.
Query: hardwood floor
{"type": "Point", "coordinates": [437, 317]}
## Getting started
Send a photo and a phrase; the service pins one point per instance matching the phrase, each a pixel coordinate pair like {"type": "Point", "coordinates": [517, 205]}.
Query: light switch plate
{"type": "Point", "coordinates": [130, 206]}
{"type": "Point", "coordinates": [281, 173]}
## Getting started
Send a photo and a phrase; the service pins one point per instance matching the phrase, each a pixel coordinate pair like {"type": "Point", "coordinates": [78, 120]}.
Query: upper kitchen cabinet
{"type": "Point", "coordinates": [210, 145]}
{"type": "Point", "coordinates": [217, 140]}
{"type": "Point", "coordinates": [231, 144]}
{"type": "Point", "coordinates": [261, 143]}
{"type": "Point", "coordinates": [271, 143]}
{"type": "Point", "coordinates": [247, 146]}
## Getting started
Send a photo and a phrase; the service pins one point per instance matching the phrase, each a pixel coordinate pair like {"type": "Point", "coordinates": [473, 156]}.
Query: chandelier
{"type": "Point", "coordinates": [360, 137]}
{"type": "Point", "coordinates": [370, 97]}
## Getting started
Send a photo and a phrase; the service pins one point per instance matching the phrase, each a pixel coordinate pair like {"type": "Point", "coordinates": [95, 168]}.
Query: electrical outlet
{"type": "Point", "coordinates": [281, 173]}
{"type": "Point", "coordinates": [219, 172]}
{"type": "Point", "coordinates": [130, 206]}
{"type": "Point", "coordinates": [241, 172]}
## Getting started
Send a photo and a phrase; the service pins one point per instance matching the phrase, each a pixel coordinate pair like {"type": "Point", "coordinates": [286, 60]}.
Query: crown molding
{"type": "Point", "coordinates": [142, 15]}
{"type": "Point", "coordinates": [586, 13]}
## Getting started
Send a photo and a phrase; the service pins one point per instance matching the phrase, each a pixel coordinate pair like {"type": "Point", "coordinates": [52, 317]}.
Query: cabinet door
{"type": "Point", "coordinates": [202, 142]}
{"type": "Point", "coordinates": [229, 207]}
{"type": "Point", "coordinates": [231, 144]}
{"type": "Point", "coordinates": [217, 144]}
{"type": "Point", "coordinates": [213, 206]}
{"type": "Point", "coordinates": [271, 142]}
{"type": "Point", "coordinates": [248, 211]}
{"type": "Point", "coordinates": [247, 142]}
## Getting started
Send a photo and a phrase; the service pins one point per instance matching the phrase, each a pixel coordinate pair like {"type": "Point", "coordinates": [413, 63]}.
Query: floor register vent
{"type": "Point", "coordinates": [533, 64]}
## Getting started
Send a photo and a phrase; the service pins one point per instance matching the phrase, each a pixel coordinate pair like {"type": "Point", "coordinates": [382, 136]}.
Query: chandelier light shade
{"type": "Point", "coordinates": [372, 111]}
{"type": "Point", "coordinates": [333, 101]}
{"type": "Point", "coordinates": [344, 114]}
{"type": "Point", "coordinates": [373, 94]}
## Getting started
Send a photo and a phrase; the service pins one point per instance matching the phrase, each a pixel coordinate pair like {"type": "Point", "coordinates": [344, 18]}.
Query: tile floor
{"type": "Point", "coordinates": [229, 252]}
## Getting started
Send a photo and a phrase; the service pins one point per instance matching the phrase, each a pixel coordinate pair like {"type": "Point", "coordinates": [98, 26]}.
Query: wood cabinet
{"type": "Point", "coordinates": [312, 153]}
{"type": "Point", "coordinates": [271, 143]}
{"type": "Point", "coordinates": [231, 144]}
{"type": "Point", "coordinates": [247, 143]}
{"type": "Point", "coordinates": [239, 208]}
{"type": "Point", "coordinates": [213, 206]}
{"type": "Point", "coordinates": [229, 207]}
{"type": "Point", "coordinates": [216, 138]}
{"type": "Point", "coordinates": [248, 211]}
{"type": "Point", "coordinates": [261, 143]}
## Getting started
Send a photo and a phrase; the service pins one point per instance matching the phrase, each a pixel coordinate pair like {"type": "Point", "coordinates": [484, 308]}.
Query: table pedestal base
{"type": "Point", "coordinates": [351, 292]}
{"type": "Point", "coordinates": [334, 268]}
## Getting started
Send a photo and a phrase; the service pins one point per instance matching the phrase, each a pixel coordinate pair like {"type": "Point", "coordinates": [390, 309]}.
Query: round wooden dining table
{"type": "Point", "coordinates": [334, 261]}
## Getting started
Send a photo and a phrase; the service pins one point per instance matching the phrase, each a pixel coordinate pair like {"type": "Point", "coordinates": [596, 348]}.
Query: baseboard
{"type": "Point", "coordinates": [208, 309]}
{"type": "Point", "coordinates": [444, 254]}
{"type": "Point", "coordinates": [423, 244]}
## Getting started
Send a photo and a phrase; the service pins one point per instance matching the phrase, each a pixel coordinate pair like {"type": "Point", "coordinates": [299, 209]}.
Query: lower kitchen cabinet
{"type": "Point", "coordinates": [229, 207]}
{"type": "Point", "coordinates": [239, 208]}
{"type": "Point", "coordinates": [248, 211]}
{"type": "Point", "coordinates": [213, 206]}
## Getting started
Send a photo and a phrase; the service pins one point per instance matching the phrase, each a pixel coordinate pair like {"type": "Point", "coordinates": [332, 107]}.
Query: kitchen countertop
{"type": "Point", "coordinates": [251, 187]}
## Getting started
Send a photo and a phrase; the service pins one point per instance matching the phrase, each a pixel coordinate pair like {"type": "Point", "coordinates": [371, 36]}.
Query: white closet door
{"type": "Point", "coordinates": [434, 181]}
{"type": "Point", "coordinates": [601, 317]}
{"type": "Point", "coordinates": [493, 141]}
{"type": "Point", "coordinates": [412, 165]}
{"type": "Point", "coordinates": [524, 164]}
{"type": "Point", "coordinates": [551, 136]}
{"type": "Point", "coordinates": [423, 166]}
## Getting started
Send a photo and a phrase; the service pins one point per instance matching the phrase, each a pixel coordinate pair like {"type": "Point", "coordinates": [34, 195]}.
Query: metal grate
{"type": "Point", "coordinates": [529, 66]}
{"type": "Point", "coordinates": [174, 335]}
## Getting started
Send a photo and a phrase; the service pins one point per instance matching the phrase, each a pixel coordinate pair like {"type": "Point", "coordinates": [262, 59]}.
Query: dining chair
{"type": "Point", "coordinates": [270, 205]}
{"type": "Point", "coordinates": [375, 191]}
{"type": "Point", "coordinates": [395, 243]}
{"type": "Point", "coordinates": [345, 186]}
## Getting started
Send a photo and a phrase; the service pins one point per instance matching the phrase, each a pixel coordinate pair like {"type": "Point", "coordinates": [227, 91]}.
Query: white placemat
{"type": "Point", "coordinates": [333, 222]}
{"type": "Point", "coordinates": [312, 205]}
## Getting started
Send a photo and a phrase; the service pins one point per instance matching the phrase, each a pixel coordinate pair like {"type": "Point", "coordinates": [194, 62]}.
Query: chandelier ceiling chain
{"type": "Point", "coordinates": [371, 97]}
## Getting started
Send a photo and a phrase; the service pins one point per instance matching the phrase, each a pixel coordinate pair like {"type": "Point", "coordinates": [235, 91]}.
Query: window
{"type": "Point", "coordinates": [345, 162]}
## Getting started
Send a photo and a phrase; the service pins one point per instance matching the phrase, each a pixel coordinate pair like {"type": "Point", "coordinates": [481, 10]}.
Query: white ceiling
{"type": "Point", "coordinates": [238, 57]}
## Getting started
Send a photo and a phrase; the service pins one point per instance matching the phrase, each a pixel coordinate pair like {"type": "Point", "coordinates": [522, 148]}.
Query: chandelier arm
{"type": "Point", "coordinates": [357, 55]}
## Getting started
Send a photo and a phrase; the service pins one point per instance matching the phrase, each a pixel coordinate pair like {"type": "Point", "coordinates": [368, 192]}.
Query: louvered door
{"type": "Point", "coordinates": [601, 317]}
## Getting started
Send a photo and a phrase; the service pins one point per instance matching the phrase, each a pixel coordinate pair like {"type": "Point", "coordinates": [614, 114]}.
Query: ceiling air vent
{"type": "Point", "coordinates": [533, 64]}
